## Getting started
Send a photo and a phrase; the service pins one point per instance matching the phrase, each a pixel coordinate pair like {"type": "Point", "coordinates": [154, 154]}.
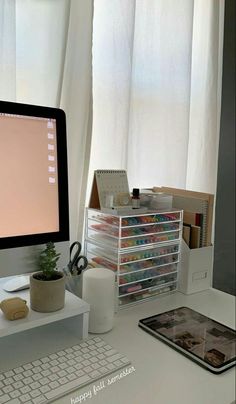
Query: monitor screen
{"type": "Point", "coordinates": [33, 175]}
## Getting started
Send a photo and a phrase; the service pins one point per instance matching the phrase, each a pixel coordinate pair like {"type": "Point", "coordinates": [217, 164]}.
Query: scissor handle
{"type": "Point", "coordinates": [76, 243]}
{"type": "Point", "coordinates": [84, 265]}
{"type": "Point", "coordinates": [77, 252]}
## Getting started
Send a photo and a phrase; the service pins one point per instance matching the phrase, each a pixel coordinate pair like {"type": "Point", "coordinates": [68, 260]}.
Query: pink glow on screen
{"type": "Point", "coordinates": [28, 176]}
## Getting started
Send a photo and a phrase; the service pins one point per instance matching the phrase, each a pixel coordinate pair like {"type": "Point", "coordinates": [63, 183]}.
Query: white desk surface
{"type": "Point", "coordinates": [161, 375]}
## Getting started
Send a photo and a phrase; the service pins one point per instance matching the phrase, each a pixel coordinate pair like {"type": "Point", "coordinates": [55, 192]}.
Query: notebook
{"type": "Point", "coordinates": [197, 202]}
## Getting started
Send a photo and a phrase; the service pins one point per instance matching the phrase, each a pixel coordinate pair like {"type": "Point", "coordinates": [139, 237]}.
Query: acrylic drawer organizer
{"type": "Point", "coordinates": [142, 249]}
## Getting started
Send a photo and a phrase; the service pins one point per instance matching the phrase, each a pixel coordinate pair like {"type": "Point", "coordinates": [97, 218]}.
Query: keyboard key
{"type": "Point", "coordinates": [103, 370]}
{"type": "Point", "coordinates": [63, 380]}
{"type": "Point", "coordinates": [53, 377]}
{"type": "Point", "coordinates": [18, 370]}
{"type": "Point", "coordinates": [110, 352]}
{"type": "Point", "coordinates": [25, 389]}
{"type": "Point", "coordinates": [79, 373]}
{"type": "Point", "coordinates": [28, 380]}
{"type": "Point", "coordinates": [70, 370]}
{"type": "Point", "coordinates": [52, 356]}
{"type": "Point", "coordinates": [37, 369]}
{"type": "Point", "coordinates": [8, 381]}
{"type": "Point", "coordinates": [71, 385]}
{"type": "Point", "coordinates": [45, 366]}
{"type": "Point", "coordinates": [111, 366]}
{"type": "Point", "coordinates": [88, 369]}
{"type": "Point", "coordinates": [62, 373]}
{"type": "Point", "coordinates": [54, 384]}
{"type": "Point", "coordinates": [18, 377]}
{"type": "Point", "coordinates": [44, 373]}
{"type": "Point", "coordinates": [45, 360]}
{"type": "Point", "coordinates": [68, 350]}
{"type": "Point", "coordinates": [35, 385]}
{"type": "Point", "coordinates": [34, 393]}
{"type": "Point", "coordinates": [36, 363]}
{"type": "Point", "coordinates": [54, 362]}
{"type": "Point", "coordinates": [114, 357]}
{"type": "Point", "coordinates": [100, 344]}
{"type": "Point", "coordinates": [24, 398]}
{"type": "Point", "coordinates": [7, 389]}
{"type": "Point", "coordinates": [45, 389]}
{"type": "Point", "coordinates": [95, 374]}
{"type": "Point", "coordinates": [95, 366]}
{"type": "Point", "coordinates": [94, 359]}
{"type": "Point", "coordinates": [63, 366]}
{"type": "Point", "coordinates": [9, 373]}
{"type": "Point", "coordinates": [44, 380]}
{"type": "Point", "coordinates": [73, 376]}
{"type": "Point", "coordinates": [107, 347]}
{"type": "Point", "coordinates": [28, 366]}
{"type": "Point", "coordinates": [4, 398]}
{"type": "Point", "coordinates": [86, 363]}
{"type": "Point", "coordinates": [18, 385]}
{"type": "Point", "coordinates": [28, 373]}
{"type": "Point", "coordinates": [15, 393]}
{"type": "Point", "coordinates": [39, 400]}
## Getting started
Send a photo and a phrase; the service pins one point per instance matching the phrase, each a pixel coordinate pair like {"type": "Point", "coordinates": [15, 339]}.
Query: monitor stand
{"type": "Point", "coordinates": [74, 315]}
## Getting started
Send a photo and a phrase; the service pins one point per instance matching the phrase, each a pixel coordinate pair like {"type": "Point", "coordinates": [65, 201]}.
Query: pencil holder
{"type": "Point", "coordinates": [74, 284]}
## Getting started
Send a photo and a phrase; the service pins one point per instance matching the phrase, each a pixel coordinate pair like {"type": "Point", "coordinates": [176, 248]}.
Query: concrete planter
{"type": "Point", "coordinates": [47, 296]}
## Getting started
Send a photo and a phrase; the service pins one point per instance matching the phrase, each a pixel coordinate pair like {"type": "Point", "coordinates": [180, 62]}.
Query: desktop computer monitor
{"type": "Point", "coordinates": [33, 185]}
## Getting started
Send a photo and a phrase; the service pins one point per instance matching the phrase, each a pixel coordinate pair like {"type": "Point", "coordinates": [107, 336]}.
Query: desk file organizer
{"type": "Point", "coordinates": [142, 249]}
{"type": "Point", "coordinates": [196, 267]}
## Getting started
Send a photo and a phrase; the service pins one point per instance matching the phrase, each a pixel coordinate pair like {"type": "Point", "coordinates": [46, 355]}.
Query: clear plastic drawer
{"type": "Point", "coordinates": [137, 257]}
{"type": "Point", "coordinates": [136, 240]}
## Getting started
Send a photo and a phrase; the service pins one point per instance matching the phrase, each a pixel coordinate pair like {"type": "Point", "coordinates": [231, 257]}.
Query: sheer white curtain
{"type": "Point", "coordinates": [156, 90]}
{"type": "Point", "coordinates": [45, 59]}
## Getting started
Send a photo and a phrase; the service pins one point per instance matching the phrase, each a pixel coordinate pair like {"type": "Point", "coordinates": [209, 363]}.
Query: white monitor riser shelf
{"type": "Point", "coordinates": [75, 314]}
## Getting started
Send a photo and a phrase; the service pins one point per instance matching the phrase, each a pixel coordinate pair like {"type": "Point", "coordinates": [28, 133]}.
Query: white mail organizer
{"type": "Point", "coordinates": [195, 269]}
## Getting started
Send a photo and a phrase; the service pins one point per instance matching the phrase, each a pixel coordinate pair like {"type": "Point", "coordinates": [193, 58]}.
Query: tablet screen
{"type": "Point", "coordinates": [206, 341]}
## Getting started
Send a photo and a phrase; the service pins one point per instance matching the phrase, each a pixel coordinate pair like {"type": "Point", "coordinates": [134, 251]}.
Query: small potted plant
{"type": "Point", "coordinates": [47, 287]}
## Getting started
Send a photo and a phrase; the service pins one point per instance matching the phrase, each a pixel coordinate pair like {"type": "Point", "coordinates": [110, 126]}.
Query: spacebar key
{"type": "Point", "coordinates": [66, 388]}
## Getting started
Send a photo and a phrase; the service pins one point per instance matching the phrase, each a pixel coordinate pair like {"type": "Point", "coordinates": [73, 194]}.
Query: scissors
{"type": "Point", "coordinates": [74, 266]}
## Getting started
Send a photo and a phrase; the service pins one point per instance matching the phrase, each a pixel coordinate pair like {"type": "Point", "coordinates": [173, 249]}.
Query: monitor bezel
{"type": "Point", "coordinates": [62, 234]}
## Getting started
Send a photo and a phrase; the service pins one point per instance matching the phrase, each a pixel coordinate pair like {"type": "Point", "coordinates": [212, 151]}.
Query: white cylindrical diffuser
{"type": "Point", "coordinates": [99, 292]}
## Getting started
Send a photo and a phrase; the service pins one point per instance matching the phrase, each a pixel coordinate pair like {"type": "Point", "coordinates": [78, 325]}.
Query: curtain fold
{"type": "Point", "coordinates": [205, 96]}
{"type": "Point", "coordinates": [76, 100]}
{"type": "Point", "coordinates": [156, 86]}
{"type": "Point", "coordinates": [7, 50]}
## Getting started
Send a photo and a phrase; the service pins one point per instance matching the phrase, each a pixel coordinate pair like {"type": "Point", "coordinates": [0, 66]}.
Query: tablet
{"type": "Point", "coordinates": [205, 341]}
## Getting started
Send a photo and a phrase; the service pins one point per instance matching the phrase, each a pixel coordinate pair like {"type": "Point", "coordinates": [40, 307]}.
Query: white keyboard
{"type": "Point", "coordinates": [57, 374]}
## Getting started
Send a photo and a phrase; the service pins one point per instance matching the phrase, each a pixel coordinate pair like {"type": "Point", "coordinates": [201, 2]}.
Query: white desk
{"type": "Point", "coordinates": [161, 375]}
